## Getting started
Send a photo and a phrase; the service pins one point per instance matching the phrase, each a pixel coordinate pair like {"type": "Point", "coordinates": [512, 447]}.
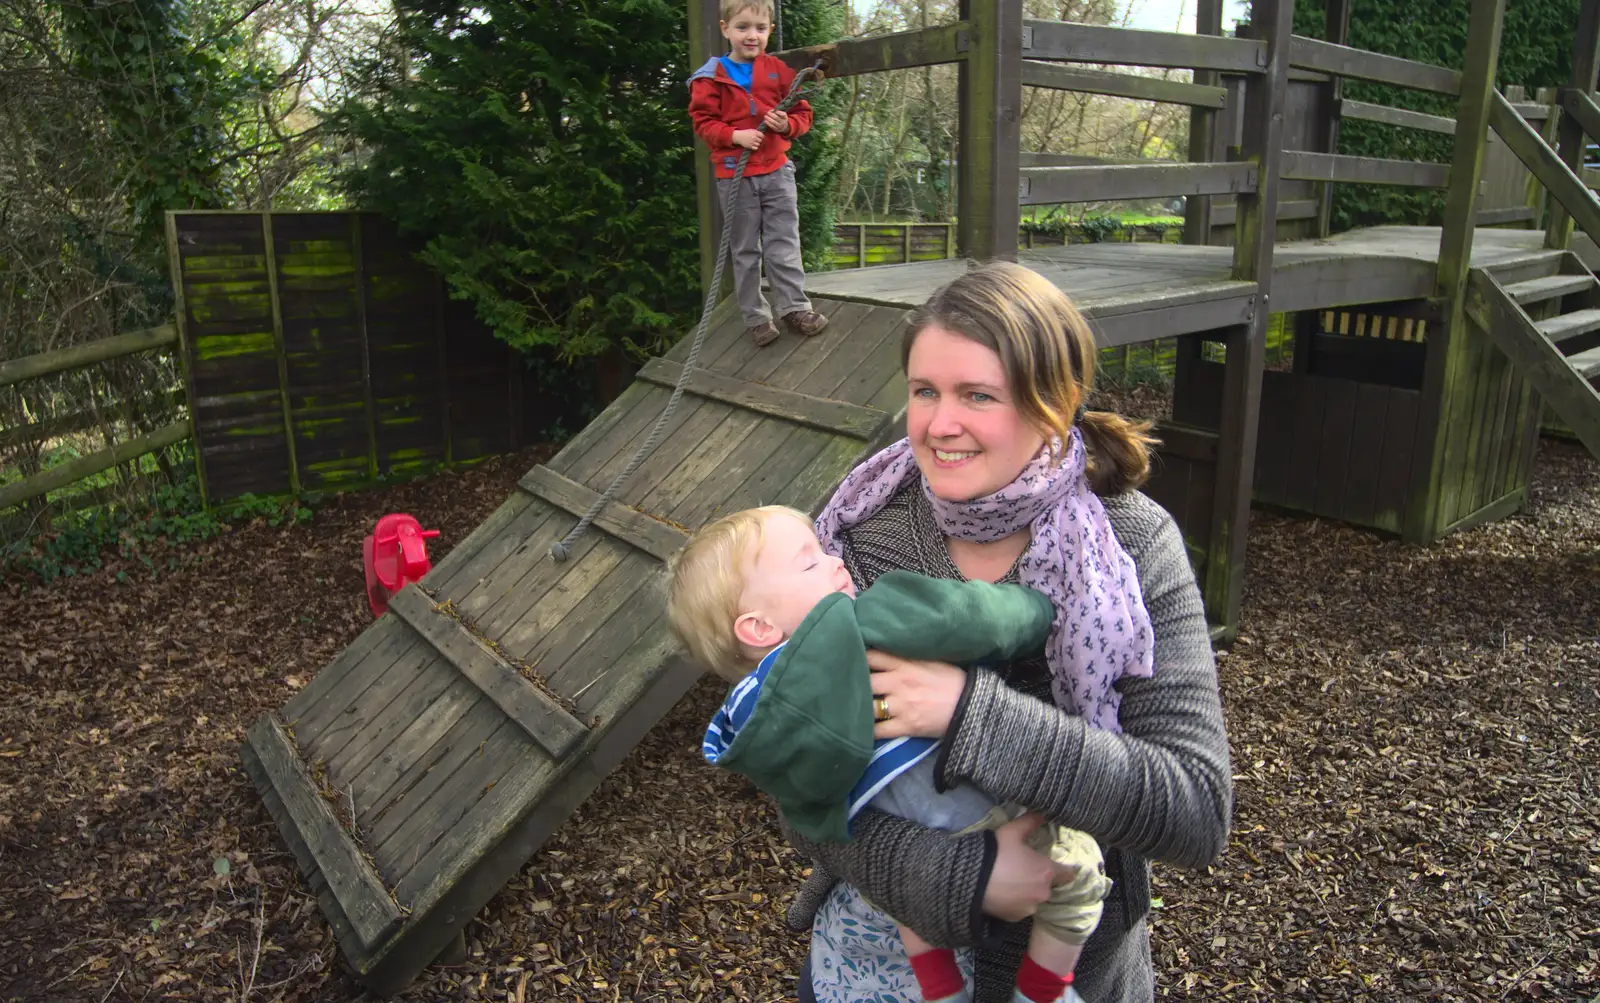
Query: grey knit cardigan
{"type": "Point", "coordinates": [1161, 790]}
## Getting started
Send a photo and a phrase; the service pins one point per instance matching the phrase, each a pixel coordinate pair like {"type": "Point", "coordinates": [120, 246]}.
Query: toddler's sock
{"type": "Point", "coordinates": [1038, 984]}
{"type": "Point", "coordinates": [939, 977]}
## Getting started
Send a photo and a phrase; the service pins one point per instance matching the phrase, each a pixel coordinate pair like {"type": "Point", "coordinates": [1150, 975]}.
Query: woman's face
{"type": "Point", "coordinates": [966, 433]}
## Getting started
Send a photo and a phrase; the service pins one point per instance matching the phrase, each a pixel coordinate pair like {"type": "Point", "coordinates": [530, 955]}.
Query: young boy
{"type": "Point", "coordinates": [754, 598]}
{"type": "Point", "coordinates": [728, 98]}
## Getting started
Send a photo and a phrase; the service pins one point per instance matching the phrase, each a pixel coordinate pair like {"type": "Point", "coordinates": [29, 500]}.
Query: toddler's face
{"type": "Point", "coordinates": [747, 34]}
{"type": "Point", "coordinates": [792, 574]}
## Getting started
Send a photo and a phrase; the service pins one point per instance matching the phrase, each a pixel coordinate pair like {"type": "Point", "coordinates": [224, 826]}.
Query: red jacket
{"type": "Point", "coordinates": [718, 106]}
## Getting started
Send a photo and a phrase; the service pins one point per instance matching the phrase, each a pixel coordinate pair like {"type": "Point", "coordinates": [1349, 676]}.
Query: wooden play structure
{"type": "Point", "coordinates": [428, 762]}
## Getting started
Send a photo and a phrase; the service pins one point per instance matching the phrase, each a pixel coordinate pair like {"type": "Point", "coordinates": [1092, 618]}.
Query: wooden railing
{"type": "Point", "coordinates": [79, 357]}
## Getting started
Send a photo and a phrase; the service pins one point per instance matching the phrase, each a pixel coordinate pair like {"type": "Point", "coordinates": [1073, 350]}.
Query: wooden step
{"type": "Point", "coordinates": [1586, 363]}
{"type": "Point", "coordinates": [1548, 288]}
{"type": "Point", "coordinates": [1569, 325]}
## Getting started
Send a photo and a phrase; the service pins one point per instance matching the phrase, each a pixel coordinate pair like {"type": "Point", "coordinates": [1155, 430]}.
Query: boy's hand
{"type": "Point", "coordinates": [750, 139]}
{"type": "Point", "coordinates": [778, 121]}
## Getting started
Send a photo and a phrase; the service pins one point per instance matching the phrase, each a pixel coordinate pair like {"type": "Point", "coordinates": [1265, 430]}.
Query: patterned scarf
{"type": "Point", "coordinates": [1101, 631]}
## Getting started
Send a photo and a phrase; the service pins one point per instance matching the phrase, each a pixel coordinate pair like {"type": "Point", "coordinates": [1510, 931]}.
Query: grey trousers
{"type": "Point", "coordinates": [766, 224]}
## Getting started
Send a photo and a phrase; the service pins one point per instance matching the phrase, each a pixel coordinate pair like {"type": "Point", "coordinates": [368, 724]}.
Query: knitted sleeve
{"type": "Point", "coordinates": [1163, 788]}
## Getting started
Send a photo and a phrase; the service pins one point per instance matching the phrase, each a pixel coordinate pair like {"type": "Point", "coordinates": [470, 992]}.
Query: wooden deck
{"type": "Point", "coordinates": [1139, 292]}
{"type": "Point", "coordinates": [463, 727]}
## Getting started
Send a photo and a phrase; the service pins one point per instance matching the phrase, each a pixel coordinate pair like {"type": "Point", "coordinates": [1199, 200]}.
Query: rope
{"type": "Point", "coordinates": [563, 547]}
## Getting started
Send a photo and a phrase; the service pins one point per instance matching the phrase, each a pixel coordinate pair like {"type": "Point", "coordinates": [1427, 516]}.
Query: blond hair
{"type": "Point", "coordinates": [733, 8]}
{"type": "Point", "coordinates": [705, 581]}
{"type": "Point", "coordinates": [1048, 353]}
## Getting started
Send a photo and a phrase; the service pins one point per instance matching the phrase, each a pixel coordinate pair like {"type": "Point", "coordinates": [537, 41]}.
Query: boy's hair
{"type": "Point", "coordinates": [704, 582]}
{"type": "Point", "coordinates": [733, 8]}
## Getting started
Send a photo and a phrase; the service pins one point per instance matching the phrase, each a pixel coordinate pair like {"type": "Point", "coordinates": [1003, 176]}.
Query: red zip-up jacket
{"type": "Point", "coordinates": [718, 106]}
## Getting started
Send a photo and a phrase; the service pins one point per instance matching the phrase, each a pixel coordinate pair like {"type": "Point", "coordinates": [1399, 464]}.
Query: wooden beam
{"type": "Point", "coordinates": [705, 41]}
{"type": "Point", "coordinates": [989, 96]}
{"type": "Point", "coordinates": [535, 711]}
{"type": "Point", "coordinates": [1187, 441]}
{"type": "Point", "coordinates": [1314, 54]}
{"type": "Point", "coordinates": [654, 536]}
{"type": "Point", "coordinates": [1569, 130]}
{"type": "Point", "coordinates": [1302, 166]}
{"type": "Point", "coordinates": [1197, 211]}
{"type": "Point", "coordinates": [1580, 105]}
{"type": "Point", "coordinates": [70, 472]}
{"type": "Point", "coordinates": [1050, 185]}
{"type": "Point", "coordinates": [1226, 214]}
{"type": "Point", "coordinates": [1068, 41]}
{"type": "Point", "coordinates": [354, 882]}
{"type": "Point", "coordinates": [1510, 214]}
{"type": "Point", "coordinates": [947, 43]}
{"type": "Point", "coordinates": [1127, 85]}
{"type": "Point", "coordinates": [838, 417]}
{"type": "Point", "coordinates": [1552, 172]}
{"type": "Point", "coordinates": [1026, 160]}
{"type": "Point", "coordinates": [1404, 117]}
{"type": "Point", "coordinates": [1144, 317]}
{"type": "Point", "coordinates": [47, 363]}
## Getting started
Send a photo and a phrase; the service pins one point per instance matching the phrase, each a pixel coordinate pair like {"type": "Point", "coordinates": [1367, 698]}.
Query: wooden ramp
{"type": "Point", "coordinates": [424, 766]}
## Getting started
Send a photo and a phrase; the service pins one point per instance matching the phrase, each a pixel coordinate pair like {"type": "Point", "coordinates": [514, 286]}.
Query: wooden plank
{"type": "Point", "coordinates": [361, 894]}
{"type": "Point", "coordinates": [323, 731]}
{"type": "Point", "coordinates": [989, 110]}
{"type": "Point", "coordinates": [923, 47]}
{"type": "Point", "coordinates": [1092, 43]}
{"type": "Point", "coordinates": [1127, 85]}
{"type": "Point", "coordinates": [360, 267]}
{"type": "Point", "coordinates": [1224, 215]}
{"type": "Point", "coordinates": [77, 469]}
{"type": "Point", "coordinates": [546, 721]}
{"type": "Point", "coordinates": [1300, 165]}
{"type": "Point", "coordinates": [1490, 467]}
{"type": "Point", "coordinates": [1187, 441]}
{"type": "Point", "coordinates": [1366, 453]}
{"type": "Point", "coordinates": [1275, 441]}
{"type": "Point", "coordinates": [385, 709]}
{"type": "Point", "coordinates": [1558, 179]}
{"type": "Point", "coordinates": [1300, 490]}
{"type": "Point", "coordinates": [1326, 57]}
{"type": "Point", "coordinates": [839, 417]}
{"type": "Point", "coordinates": [1400, 435]}
{"type": "Point", "coordinates": [1052, 185]}
{"type": "Point", "coordinates": [424, 768]}
{"type": "Point", "coordinates": [1333, 452]}
{"type": "Point", "coordinates": [271, 257]}
{"type": "Point", "coordinates": [1509, 214]}
{"type": "Point", "coordinates": [1572, 397]}
{"type": "Point", "coordinates": [650, 535]}
{"type": "Point", "coordinates": [78, 356]}
{"type": "Point", "coordinates": [1403, 117]}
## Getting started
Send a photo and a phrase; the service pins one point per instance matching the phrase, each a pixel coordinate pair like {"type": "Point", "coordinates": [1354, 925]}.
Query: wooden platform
{"type": "Point", "coordinates": [1140, 292]}
{"type": "Point", "coordinates": [460, 730]}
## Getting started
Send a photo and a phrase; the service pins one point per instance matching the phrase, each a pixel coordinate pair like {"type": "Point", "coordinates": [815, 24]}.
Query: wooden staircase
{"type": "Point", "coordinates": [1549, 327]}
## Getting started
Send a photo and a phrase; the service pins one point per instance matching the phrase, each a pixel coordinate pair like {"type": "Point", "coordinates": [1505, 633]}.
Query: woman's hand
{"type": "Point", "coordinates": [1021, 879]}
{"type": "Point", "coordinates": [920, 697]}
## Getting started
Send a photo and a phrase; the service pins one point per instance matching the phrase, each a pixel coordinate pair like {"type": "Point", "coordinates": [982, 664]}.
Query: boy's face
{"type": "Point", "coordinates": [747, 34]}
{"type": "Point", "coordinates": [791, 574]}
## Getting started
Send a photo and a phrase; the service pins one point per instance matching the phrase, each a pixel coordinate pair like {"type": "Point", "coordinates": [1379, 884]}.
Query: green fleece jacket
{"type": "Point", "coordinates": [809, 737]}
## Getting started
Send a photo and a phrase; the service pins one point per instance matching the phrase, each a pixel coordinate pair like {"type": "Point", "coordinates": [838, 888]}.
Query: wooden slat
{"type": "Point", "coordinates": [1403, 117]}
{"type": "Point", "coordinates": [1072, 78]}
{"type": "Point", "coordinates": [1092, 43]}
{"type": "Point", "coordinates": [360, 892]}
{"type": "Point", "coordinates": [1187, 441]}
{"type": "Point", "coordinates": [839, 417]}
{"type": "Point", "coordinates": [1342, 60]}
{"type": "Point", "coordinates": [650, 535]}
{"type": "Point", "coordinates": [1224, 215]}
{"type": "Point", "coordinates": [44, 364]}
{"type": "Point", "coordinates": [1300, 165]}
{"type": "Point", "coordinates": [1510, 214]}
{"type": "Point", "coordinates": [545, 720]}
{"type": "Point", "coordinates": [1052, 185]}
{"type": "Point", "coordinates": [923, 47]}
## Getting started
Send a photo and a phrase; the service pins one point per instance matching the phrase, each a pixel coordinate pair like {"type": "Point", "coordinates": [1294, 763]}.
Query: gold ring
{"type": "Point", "coordinates": [880, 708]}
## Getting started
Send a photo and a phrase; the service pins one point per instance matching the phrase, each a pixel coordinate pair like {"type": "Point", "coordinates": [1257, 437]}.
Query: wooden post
{"type": "Point", "coordinates": [907, 256]}
{"type": "Point", "coordinates": [989, 106]}
{"type": "Point", "coordinates": [358, 259]}
{"type": "Point", "coordinates": [1570, 141]}
{"type": "Point", "coordinates": [861, 245]}
{"type": "Point", "coordinates": [1203, 127]}
{"type": "Point", "coordinates": [1255, 230]}
{"type": "Point", "coordinates": [283, 359]}
{"type": "Point", "coordinates": [705, 41]}
{"type": "Point", "coordinates": [1336, 29]}
{"type": "Point", "coordinates": [1447, 342]}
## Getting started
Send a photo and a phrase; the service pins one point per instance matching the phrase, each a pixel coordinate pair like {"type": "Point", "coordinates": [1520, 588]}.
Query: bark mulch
{"type": "Point", "coordinates": [1414, 731]}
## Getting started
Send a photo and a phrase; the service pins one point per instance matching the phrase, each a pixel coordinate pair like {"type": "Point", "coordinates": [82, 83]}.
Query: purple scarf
{"type": "Point", "coordinates": [1101, 631]}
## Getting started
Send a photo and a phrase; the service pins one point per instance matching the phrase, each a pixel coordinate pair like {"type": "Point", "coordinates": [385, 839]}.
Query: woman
{"type": "Point", "coordinates": [1117, 731]}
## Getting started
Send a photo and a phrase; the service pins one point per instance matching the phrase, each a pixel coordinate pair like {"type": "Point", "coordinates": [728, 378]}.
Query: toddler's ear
{"type": "Point", "coordinates": [756, 631]}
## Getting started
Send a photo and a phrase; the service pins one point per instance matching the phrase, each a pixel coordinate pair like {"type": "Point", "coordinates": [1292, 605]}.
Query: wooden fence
{"type": "Point", "coordinates": [862, 245]}
{"type": "Point", "coordinates": [62, 475]}
{"type": "Point", "coordinates": [320, 354]}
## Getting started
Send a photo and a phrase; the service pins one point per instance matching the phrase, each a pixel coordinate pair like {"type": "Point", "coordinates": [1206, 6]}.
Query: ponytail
{"type": "Point", "coordinates": [1119, 451]}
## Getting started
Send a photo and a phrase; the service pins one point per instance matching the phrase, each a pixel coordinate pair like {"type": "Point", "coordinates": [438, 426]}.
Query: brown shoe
{"type": "Point", "coordinates": [763, 334]}
{"type": "Point", "coordinates": [806, 323]}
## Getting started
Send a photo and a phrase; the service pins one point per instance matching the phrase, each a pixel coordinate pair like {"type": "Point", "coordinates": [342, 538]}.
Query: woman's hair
{"type": "Point", "coordinates": [733, 8]}
{"type": "Point", "coordinates": [1048, 353]}
{"type": "Point", "coordinates": [704, 582]}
